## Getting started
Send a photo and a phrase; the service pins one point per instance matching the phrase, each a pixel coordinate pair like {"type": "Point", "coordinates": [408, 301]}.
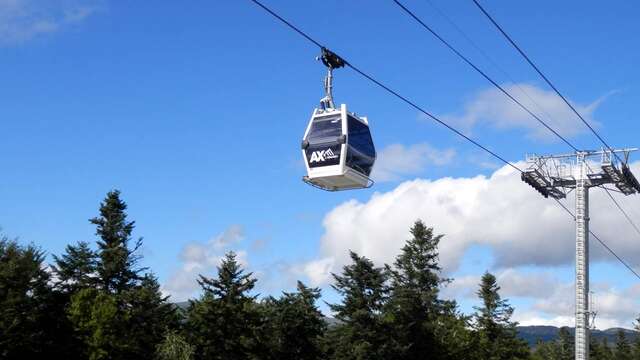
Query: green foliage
{"type": "Point", "coordinates": [148, 316]}
{"type": "Point", "coordinates": [364, 333]}
{"type": "Point", "coordinates": [222, 324]}
{"type": "Point", "coordinates": [95, 317]}
{"type": "Point", "coordinates": [117, 262]}
{"type": "Point", "coordinates": [76, 269]}
{"type": "Point", "coordinates": [496, 333]}
{"type": "Point", "coordinates": [24, 299]}
{"type": "Point", "coordinates": [115, 312]}
{"type": "Point", "coordinates": [623, 348]}
{"type": "Point", "coordinates": [561, 349]}
{"type": "Point", "coordinates": [293, 326]}
{"type": "Point", "coordinates": [636, 347]}
{"type": "Point", "coordinates": [174, 347]}
{"type": "Point", "coordinates": [422, 323]}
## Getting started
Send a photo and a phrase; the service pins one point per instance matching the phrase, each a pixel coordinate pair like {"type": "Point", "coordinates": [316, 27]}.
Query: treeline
{"type": "Point", "coordinates": [99, 303]}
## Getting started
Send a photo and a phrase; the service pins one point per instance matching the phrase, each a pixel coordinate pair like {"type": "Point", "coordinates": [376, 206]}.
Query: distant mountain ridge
{"type": "Point", "coordinates": [533, 334]}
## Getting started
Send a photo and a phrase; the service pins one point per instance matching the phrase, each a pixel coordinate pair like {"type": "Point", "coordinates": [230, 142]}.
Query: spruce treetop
{"type": "Point", "coordinates": [232, 283]}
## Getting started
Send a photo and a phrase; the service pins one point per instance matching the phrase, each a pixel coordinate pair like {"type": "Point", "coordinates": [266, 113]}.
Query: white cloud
{"type": "Point", "coordinates": [202, 258]}
{"type": "Point", "coordinates": [493, 107]}
{"type": "Point", "coordinates": [552, 301]}
{"type": "Point", "coordinates": [233, 234]}
{"type": "Point", "coordinates": [499, 211]}
{"type": "Point", "coordinates": [512, 284]}
{"type": "Point", "coordinates": [397, 160]}
{"type": "Point", "coordinates": [21, 20]}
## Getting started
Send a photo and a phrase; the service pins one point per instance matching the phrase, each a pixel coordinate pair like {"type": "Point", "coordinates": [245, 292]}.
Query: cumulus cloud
{"type": "Point", "coordinates": [498, 211]}
{"type": "Point", "coordinates": [512, 284]}
{"type": "Point", "coordinates": [202, 258]}
{"type": "Point", "coordinates": [21, 20]}
{"type": "Point", "coordinates": [396, 161]}
{"type": "Point", "coordinates": [491, 106]}
{"type": "Point", "coordinates": [553, 301]}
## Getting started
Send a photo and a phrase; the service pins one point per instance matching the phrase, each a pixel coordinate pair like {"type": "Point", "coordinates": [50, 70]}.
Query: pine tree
{"type": "Point", "coordinates": [99, 325]}
{"type": "Point", "coordinates": [124, 316]}
{"type": "Point", "coordinates": [496, 333]}
{"type": "Point", "coordinates": [293, 326]}
{"type": "Point", "coordinates": [222, 324]}
{"type": "Point", "coordinates": [24, 300]}
{"type": "Point", "coordinates": [566, 345]}
{"type": "Point", "coordinates": [423, 323]}
{"type": "Point", "coordinates": [623, 348]}
{"type": "Point", "coordinates": [636, 348]}
{"type": "Point", "coordinates": [76, 269]}
{"type": "Point", "coordinates": [363, 333]}
{"type": "Point", "coordinates": [149, 317]}
{"type": "Point", "coordinates": [117, 264]}
{"type": "Point", "coordinates": [607, 352]}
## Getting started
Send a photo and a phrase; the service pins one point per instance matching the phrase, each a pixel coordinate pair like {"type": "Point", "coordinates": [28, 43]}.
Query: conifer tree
{"type": "Point", "coordinates": [222, 324]}
{"type": "Point", "coordinates": [149, 316]}
{"type": "Point", "coordinates": [423, 323]}
{"type": "Point", "coordinates": [117, 266]}
{"type": "Point", "coordinates": [76, 268]}
{"type": "Point", "coordinates": [293, 326]}
{"type": "Point", "coordinates": [98, 324]}
{"type": "Point", "coordinates": [363, 333]}
{"type": "Point", "coordinates": [607, 352]}
{"type": "Point", "coordinates": [496, 333]}
{"type": "Point", "coordinates": [623, 348]}
{"type": "Point", "coordinates": [24, 300]}
{"type": "Point", "coordinates": [636, 348]}
{"type": "Point", "coordinates": [123, 304]}
{"type": "Point", "coordinates": [566, 344]}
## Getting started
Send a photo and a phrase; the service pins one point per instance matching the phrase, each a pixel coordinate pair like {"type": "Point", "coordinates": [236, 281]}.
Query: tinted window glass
{"type": "Point", "coordinates": [361, 153]}
{"type": "Point", "coordinates": [325, 129]}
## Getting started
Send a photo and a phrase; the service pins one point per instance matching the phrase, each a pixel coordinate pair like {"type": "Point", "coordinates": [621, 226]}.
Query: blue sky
{"type": "Point", "coordinates": [196, 111]}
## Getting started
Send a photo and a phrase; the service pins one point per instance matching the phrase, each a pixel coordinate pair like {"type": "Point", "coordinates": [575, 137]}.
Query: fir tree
{"type": "Point", "coordinates": [293, 325]}
{"type": "Point", "coordinates": [566, 345]}
{"type": "Point", "coordinates": [76, 269]}
{"type": "Point", "coordinates": [98, 324]}
{"type": "Point", "coordinates": [24, 302]}
{"type": "Point", "coordinates": [222, 324]}
{"type": "Point", "coordinates": [423, 323]}
{"type": "Point", "coordinates": [117, 264]}
{"type": "Point", "coordinates": [124, 316]}
{"type": "Point", "coordinates": [623, 348]}
{"type": "Point", "coordinates": [149, 317]}
{"type": "Point", "coordinates": [636, 348]}
{"type": "Point", "coordinates": [607, 352]}
{"type": "Point", "coordinates": [496, 333]}
{"type": "Point", "coordinates": [363, 333]}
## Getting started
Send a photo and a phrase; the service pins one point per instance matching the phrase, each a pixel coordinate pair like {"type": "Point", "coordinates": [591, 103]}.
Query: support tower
{"type": "Point", "coordinates": [557, 175]}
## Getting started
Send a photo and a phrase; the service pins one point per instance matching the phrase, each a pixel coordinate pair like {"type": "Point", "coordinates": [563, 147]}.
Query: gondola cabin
{"type": "Point", "coordinates": [338, 150]}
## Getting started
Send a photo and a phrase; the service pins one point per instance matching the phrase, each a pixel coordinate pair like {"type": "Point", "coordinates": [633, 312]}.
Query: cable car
{"type": "Point", "coordinates": [337, 146]}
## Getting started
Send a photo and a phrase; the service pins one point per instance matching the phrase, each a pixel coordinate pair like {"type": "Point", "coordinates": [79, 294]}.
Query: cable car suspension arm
{"type": "Point", "coordinates": [332, 61]}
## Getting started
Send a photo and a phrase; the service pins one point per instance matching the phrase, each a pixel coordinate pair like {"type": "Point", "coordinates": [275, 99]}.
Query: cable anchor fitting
{"type": "Point", "coordinates": [332, 61]}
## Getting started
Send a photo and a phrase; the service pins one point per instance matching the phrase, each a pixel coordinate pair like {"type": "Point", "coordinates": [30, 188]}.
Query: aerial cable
{"type": "Point", "coordinates": [409, 102]}
{"type": "Point", "coordinates": [601, 242]}
{"type": "Point", "coordinates": [546, 79]}
{"type": "Point", "coordinates": [513, 43]}
{"type": "Point", "coordinates": [489, 59]}
{"type": "Point", "coordinates": [388, 89]}
{"type": "Point", "coordinates": [477, 69]}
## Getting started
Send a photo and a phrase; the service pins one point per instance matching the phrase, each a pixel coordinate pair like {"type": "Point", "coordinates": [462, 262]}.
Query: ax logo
{"type": "Point", "coordinates": [322, 155]}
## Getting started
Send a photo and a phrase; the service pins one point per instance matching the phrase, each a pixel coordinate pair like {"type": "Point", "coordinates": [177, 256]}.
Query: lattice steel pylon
{"type": "Point", "coordinates": [557, 175]}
